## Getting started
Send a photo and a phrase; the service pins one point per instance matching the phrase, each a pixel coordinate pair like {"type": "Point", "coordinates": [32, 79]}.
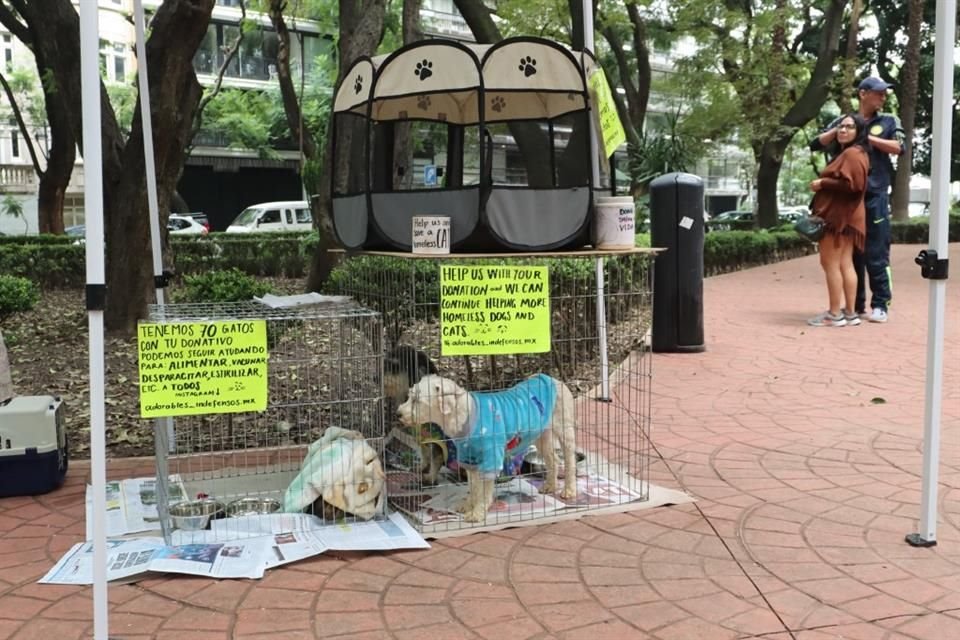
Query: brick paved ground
{"type": "Point", "coordinates": [806, 488]}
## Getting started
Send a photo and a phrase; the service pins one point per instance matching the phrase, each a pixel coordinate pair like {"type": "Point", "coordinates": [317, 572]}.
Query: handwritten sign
{"type": "Point", "coordinates": [494, 309]}
{"type": "Point", "coordinates": [206, 367]}
{"type": "Point", "coordinates": [605, 112]}
{"type": "Point", "coordinates": [431, 234]}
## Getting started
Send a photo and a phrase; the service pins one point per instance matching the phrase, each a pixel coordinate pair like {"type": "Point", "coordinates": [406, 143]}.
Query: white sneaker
{"type": "Point", "coordinates": [827, 319]}
{"type": "Point", "coordinates": [877, 315]}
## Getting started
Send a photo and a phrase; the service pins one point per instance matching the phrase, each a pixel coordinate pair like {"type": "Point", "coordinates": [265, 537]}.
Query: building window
{"type": "Point", "coordinates": [14, 143]}
{"type": "Point", "coordinates": [113, 61]}
{"type": "Point", "coordinates": [8, 51]}
{"type": "Point", "coordinates": [119, 63]}
{"type": "Point", "coordinates": [256, 59]}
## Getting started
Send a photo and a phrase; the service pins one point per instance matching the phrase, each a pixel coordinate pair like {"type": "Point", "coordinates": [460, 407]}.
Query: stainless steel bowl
{"type": "Point", "coordinates": [533, 461]}
{"type": "Point", "coordinates": [194, 515]}
{"type": "Point", "coordinates": [252, 507]}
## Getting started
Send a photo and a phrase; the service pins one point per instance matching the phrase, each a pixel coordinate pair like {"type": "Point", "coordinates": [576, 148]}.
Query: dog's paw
{"type": "Point", "coordinates": [475, 514]}
{"type": "Point", "coordinates": [549, 487]}
{"type": "Point", "coordinates": [569, 491]}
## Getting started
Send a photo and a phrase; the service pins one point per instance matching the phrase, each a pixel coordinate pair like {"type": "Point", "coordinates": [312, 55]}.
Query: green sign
{"type": "Point", "coordinates": [605, 112]}
{"type": "Point", "coordinates": [189, 368]}
{"type": "Point", "coordinates": [494, 309]}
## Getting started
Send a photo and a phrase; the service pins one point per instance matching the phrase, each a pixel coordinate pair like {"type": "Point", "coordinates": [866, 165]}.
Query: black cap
{"type": "Point", "coordinates": [873, 84]}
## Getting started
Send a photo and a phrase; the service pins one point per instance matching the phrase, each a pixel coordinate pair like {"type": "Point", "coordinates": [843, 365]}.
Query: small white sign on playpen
{"type": "Point", "coordinates": [431, 234]}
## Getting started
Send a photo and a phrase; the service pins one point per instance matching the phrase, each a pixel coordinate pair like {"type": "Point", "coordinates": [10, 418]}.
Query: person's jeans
{"type": "Point", "coordinates": [875, 258]}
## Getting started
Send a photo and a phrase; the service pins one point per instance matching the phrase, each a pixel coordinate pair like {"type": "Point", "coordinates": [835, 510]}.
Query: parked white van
{"type": "Point", "coordinates": [290, 215]}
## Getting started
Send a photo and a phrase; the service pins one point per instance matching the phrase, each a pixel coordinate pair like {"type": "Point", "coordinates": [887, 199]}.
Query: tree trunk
{"type": "Point", "coordinates": [56, 178]}
{"type": "Point", "coordinates": [361, 29]}
{"type": "Point", "coordinates": [850, 58]}
{"type": "Point", "coordinates": [909, 76]}
{"type": "Point", "coordinates": [530, 139]}
{"type": "Point", "coordinates": [176, 31]}
{"type": "Point", "coordinates": [769, 161]}
{"type": "Point", "coordinates": [403, 131]}
{"type": "Point", "coordinates": [801, 112]}
{"type": "Point", "coordinates": [6, 380]}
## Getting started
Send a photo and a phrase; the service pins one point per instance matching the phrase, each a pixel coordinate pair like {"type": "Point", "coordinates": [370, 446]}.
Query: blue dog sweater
{"type": "Point", "coordinates": [505, 423]}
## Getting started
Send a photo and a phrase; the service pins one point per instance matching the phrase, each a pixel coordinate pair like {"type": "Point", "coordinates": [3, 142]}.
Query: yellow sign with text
{"type": "Point", "coordinates": [494, 309]}
{"type": "Point", "coordinates": [192, 368]}
{"type": "Point", "coordinates": [612, 134]}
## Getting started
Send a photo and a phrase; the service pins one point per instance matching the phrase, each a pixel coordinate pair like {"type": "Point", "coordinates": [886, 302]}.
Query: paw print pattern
{"type": "Point", "coordinates": [424, 69]}
{"type": "Point", "coordinates": [423, 103]}
{"type": "Point", "coordinates": [358, 85]}
{"type": "Point", "coordinates": [497, 104]}
{"type": "Point", "coordinates": [528, 65]}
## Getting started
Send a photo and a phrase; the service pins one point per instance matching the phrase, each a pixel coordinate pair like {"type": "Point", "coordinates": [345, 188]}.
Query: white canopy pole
{"type": "Point", "coordinates": [588, 44]}
{"type": "Point", "coordinates": [934, 264]}
{"type": "Point", "coordinates": [148, 154]}
{"type": "Point", "coordinates": [163, 427]}
{"type": "Point", "coordinates": [96, 297]}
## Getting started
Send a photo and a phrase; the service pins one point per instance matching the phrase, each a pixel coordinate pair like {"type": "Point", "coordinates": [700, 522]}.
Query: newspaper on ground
{"type": "Point", "coordinates": [517, 499]}
{"type": "Point", "coordinates": [125, 558]}
{"type": "Point", "coordinates": [132, 505]}
{"type": "Point", "coordinates": [204, 553]}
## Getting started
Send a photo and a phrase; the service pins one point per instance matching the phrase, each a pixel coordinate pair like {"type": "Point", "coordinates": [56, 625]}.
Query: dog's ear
{"type": "Point", "coordinates": [450, 394]}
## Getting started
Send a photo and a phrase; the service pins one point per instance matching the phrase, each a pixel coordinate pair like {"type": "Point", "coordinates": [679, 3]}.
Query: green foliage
{"type": "Point", "coordinates": [231, 285]}
{"type": "Point", "coordinates": [246, 118]}
{"type": "Point", "coordinates": [262, 254]}
{"type": "Point", "coordinates": [917, 230]}
{"type": "Point", "coordinates": [123, 98]}
{"type": "Point", "coordinates": [662, 152]}
{"type": "Point", "coordinates": [17, 294]}
{"type": "Point", "coordinates": [12, 207]}
{"type": "Point", "coordinates": [49, 265]}
{"type": "Point", "coordinates": [45, 238]}
{"type": "Point", "coordinates": [725, 251]}
{"type": "Point", "coordinates": [27, 94]}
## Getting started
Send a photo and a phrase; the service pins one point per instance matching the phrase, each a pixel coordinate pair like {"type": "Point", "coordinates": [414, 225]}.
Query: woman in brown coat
{"type": "Point", "coordinates": [838, 199]}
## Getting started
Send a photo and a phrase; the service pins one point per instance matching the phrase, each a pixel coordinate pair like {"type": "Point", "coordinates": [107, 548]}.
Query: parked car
{"type": "Point", "coordinates": [917, 209]}
{"type": "Point", "coordinates": [77, 230]}
{"type": "Point", "coordinates": [184, 225]}
{"type": "Point", "coordinates": [792, 214]}
{"type": "Point", "coordinates": [292, 215]}
{"type": "Point", "coordinates": [199, 216]}
{"type": "Point", "coordinates": [728, 220]}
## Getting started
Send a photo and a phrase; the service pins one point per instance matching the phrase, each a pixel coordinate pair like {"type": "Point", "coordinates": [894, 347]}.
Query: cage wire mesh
{"type": "Point", "coordinates": [604, 401]}
{"type": "Point", "coordinates": [316, 449]}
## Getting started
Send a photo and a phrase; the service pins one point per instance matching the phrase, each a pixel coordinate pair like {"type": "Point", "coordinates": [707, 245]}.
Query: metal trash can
{"type": "Point", "coordinates": [676, 224]}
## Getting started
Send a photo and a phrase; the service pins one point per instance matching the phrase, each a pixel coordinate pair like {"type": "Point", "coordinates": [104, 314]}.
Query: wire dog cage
{"type": "Point", "coordinates": [317, 447]}
{"type": "Point", "coordinates": [487, 353]}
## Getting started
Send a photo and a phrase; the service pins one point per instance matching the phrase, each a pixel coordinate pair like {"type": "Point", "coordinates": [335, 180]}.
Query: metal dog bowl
{"type": "Point", "coordinates": [533, 461]}
{"type": "Point", "coordinates": [252, 507]}
{"type": "Point", "coordinates": [195, 515]}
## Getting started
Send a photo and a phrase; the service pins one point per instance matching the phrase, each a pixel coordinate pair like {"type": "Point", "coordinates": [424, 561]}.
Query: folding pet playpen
{"type": "Point", "coordinates": [463, 106]}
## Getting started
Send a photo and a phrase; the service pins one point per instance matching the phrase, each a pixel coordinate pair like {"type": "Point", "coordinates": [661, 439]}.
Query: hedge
{"type": "Point", "coordinates": [58, 261]}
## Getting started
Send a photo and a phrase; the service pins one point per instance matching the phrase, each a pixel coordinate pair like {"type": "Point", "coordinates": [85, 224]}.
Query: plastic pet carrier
{"type": "Point", "coordinates": [33, 446]}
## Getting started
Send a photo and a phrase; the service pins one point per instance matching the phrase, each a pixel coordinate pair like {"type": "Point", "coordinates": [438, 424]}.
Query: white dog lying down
{"type": "Point", "coordinates": [487, 426]}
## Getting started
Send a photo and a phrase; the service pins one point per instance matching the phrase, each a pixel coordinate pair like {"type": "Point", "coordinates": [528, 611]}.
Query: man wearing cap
{"type": "Point", "coordinates": [885, 139]}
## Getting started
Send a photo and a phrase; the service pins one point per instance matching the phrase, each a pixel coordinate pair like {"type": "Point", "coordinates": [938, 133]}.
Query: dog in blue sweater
{"type": "Point", "coordinates": [489, 427]}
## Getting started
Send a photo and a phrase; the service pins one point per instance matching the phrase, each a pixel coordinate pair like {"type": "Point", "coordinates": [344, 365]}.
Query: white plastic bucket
{"type": "Point", "coordinates": [613, 222]}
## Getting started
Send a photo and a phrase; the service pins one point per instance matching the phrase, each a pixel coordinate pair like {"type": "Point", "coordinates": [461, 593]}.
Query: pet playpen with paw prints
{"type": "Point", "coordinates": [496, 137]}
